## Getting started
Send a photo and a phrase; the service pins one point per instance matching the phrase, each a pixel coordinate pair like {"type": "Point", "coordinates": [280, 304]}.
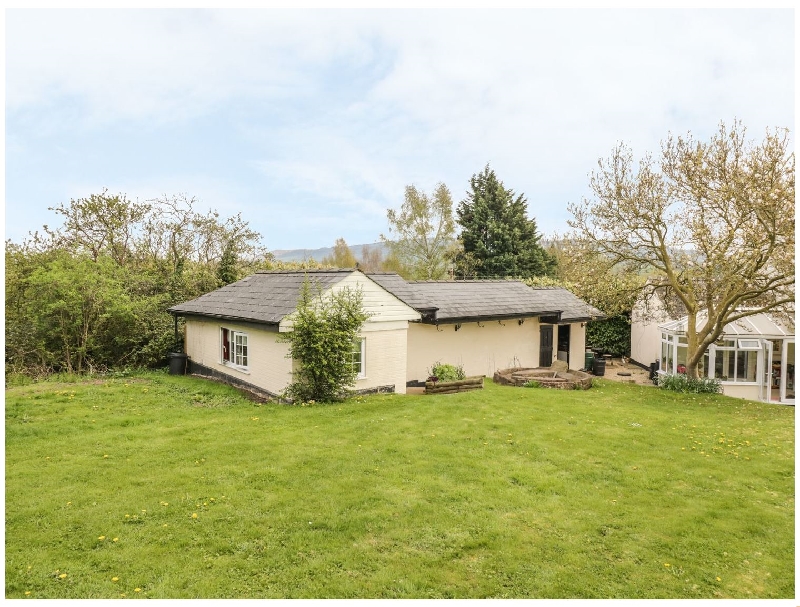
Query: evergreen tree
{"type": "Point", "coordinates": [227, 271]}
{"type": "Point", "coordinates": [498, 239]}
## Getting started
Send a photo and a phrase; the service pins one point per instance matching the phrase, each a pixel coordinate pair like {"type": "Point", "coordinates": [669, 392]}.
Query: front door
{"type": "Point", "coordinates": [545, 345]}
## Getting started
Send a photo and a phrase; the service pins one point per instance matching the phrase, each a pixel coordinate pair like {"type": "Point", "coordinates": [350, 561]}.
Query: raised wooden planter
{"type": "Point", "coordinates": [450, 387]}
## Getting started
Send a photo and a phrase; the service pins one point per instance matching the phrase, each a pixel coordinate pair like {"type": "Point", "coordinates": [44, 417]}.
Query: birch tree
{"type": "Point", "coordinates": [711, 222]}
{"type": "Point", "coordinates": [422, 234]}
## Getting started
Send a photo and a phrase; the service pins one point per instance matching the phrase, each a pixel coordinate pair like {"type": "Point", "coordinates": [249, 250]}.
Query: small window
{"type": "Point", "coordinates": [749, 344]}
{"type": "Point", "coordinates": [359, 357]}
{"type": "Point", "coordinates": [234, 347]}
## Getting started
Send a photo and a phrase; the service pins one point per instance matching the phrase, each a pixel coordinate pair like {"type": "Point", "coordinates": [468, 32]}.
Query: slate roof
{"type": "Point", "coordinates": [406, 292]}
{"type": "Point", "coordinates": [264, 297]}
{"type": "Point", "coordinates": [573, 308]}
{"type": "Point", "coordinates": [267, 297]}
{"type": "Point", "coordinates": [472, 300]}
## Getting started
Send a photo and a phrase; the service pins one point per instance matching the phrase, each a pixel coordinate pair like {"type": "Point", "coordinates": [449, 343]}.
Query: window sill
{"type": "Point", "coordinates": [242, 370]}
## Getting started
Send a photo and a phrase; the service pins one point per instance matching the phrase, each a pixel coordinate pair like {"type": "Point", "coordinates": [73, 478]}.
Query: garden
{"type": "Point", "coordinates": [161, 486]}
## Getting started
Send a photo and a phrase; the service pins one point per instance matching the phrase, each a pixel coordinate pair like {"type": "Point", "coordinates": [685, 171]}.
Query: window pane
{"type": "Point", "coordinates": [241, 349]}
{"type": "Point", "coordinates": [723, 365]}
{"type": "Point", "coordinates": [746, 365]}
{"type": "Point", "coordinates": [682, 350]}
{"type": "Point", "coordinates": [358, 357]}
{"type": "Point", "coordinates": [665, 348]}
{"type": "Point", "coordinates": [702, 371]}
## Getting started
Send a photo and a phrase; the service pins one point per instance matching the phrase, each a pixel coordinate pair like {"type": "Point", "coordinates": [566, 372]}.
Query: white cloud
{"type": "Point", "coordinates": [341, 109]}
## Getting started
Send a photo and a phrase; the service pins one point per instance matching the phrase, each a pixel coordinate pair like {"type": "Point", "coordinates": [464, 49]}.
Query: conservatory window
{"type": "Point", "coordinates": [737, 360]}
{"type": "Point", "coordinates": [749, 344]}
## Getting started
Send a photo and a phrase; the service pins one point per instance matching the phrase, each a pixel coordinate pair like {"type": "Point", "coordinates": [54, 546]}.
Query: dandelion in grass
{"type": "Point", "coordinates": [116, 539]}
{"type": "Point", "coordinates": [27, 593]}
{"type": "Point", "coordinates": [194, 514]}
{"type": "Point", "coordinates": [115, 579]}
{"type": "Point", "coordinates": [101, 538]}
{"type": "Point", "coordinates": [137, 589]}
{"type": "Point", "coordinates": [62, 576]}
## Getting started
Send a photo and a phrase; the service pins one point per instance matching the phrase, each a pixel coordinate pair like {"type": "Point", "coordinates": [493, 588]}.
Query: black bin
{"type": "Point", "coordinates": [599, 368]}
{"type": "Point", "coordinates": [177, 363]}
{"type": "Point", "coordinates": [589, 361]}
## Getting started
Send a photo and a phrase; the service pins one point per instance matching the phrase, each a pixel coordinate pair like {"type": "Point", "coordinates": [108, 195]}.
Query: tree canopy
{"type": "Point", "coordinates": [497, 237]}
{"type": "Point", "coordinates": [93, 293]}
{"type": "Point", "coordinates": [341, 256]}
{"type": "Point", "coordinates": [421, 234]}
{"type": "Point", "coordinates": [711, 222]}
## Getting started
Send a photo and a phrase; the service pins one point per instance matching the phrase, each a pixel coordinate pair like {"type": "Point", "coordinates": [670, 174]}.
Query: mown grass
{"type": "Point", "coordinates": [175, 487]}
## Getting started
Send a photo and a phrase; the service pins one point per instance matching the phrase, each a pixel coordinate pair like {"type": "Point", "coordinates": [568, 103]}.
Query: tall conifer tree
{"type": "Point", "coordinates": [498, 239]}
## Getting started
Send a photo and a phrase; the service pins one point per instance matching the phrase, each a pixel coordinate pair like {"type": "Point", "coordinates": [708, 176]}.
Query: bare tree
{"type": "Point", "coordinates": [712, 222]}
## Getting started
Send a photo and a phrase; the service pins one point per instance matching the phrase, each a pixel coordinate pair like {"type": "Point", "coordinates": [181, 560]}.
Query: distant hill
{"type": "Point", "coordinates": [318, 254]}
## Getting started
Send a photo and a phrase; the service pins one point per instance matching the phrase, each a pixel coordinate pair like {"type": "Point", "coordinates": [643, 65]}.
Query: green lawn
{"type": "Point", "coordinates": [174, 487]}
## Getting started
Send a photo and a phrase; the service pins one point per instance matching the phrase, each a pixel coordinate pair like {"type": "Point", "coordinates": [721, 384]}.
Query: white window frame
{"type": "Point", "coordinates": [237, 347]}
{"type": "Point", "coordinates": [362, 367]}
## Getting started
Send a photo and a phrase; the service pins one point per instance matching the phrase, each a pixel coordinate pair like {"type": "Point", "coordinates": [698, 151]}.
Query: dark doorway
{"type": "Point", "coordinates": [563, 343]}
{"type": "Point", "coordinates": [545, 345]}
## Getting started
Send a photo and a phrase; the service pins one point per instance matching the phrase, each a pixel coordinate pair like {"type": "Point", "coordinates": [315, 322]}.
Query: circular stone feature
{"type": "Point", "coordinates": [545, 377]}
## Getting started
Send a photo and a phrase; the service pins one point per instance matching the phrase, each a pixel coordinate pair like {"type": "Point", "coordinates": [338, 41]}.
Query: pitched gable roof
{"type": "Point", "coordinates": [268, 297]}
{"type": "Point", "coordinates": [264, 297]}
{"type": "Point", "coordinates": [402, 290]}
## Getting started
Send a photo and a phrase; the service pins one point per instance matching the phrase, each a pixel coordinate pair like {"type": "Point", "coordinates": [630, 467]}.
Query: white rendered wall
{"type": "Point", "coordinates": [268, 367]}
{"type": "Point", "coordinates": [386, 356]}
{"type": "Point", "coordinates": [481, 350]}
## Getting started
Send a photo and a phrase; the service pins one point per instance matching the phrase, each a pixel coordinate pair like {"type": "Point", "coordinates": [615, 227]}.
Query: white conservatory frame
{"type": "Point", "coordinates": [754, 357]}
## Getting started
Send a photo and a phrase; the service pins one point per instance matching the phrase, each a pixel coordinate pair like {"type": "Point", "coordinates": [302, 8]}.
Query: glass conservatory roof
{"type": "Point", "coordinates": [758, 325]}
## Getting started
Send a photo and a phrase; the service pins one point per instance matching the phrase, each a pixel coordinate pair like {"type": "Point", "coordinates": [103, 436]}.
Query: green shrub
{"type": "Point", "coordinates": [689, 385]}
{"type": "Point", "coordinates": [321, 342]}
{"type": "Point", "coordinates": [611, 335]}
{"type": "Point", "coordinates": [445, 372]}
{"type": "Point", "coordinates": [532, 384]}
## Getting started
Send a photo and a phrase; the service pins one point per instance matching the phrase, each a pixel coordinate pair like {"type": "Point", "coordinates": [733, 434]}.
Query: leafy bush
{"type": "Point", "coordinates": [689, 385]}
{"type": "Point", "coordinates": [612, 335]}
{"type": "Point", "coordinates": [532, 384]}
{"type": "Point", "coordinates": [321, 341]}
{"type": "Point", "coordinates": [444, 372]}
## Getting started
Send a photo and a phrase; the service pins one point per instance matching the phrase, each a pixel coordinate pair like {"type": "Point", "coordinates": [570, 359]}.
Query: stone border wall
{"type": "Point", "coordinates": [547, 378]}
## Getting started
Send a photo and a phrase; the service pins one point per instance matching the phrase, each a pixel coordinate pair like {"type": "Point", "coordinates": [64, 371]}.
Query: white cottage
{"type": "Point", "coordinates": [232, 333]}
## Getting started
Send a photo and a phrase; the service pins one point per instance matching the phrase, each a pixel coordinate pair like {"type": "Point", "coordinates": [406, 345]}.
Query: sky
{"type": "Point", "coordinates": [311, 123]}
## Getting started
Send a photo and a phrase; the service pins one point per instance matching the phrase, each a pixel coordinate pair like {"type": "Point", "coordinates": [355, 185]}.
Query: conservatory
{"type": "Point", "coordinates": [753, 358]}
